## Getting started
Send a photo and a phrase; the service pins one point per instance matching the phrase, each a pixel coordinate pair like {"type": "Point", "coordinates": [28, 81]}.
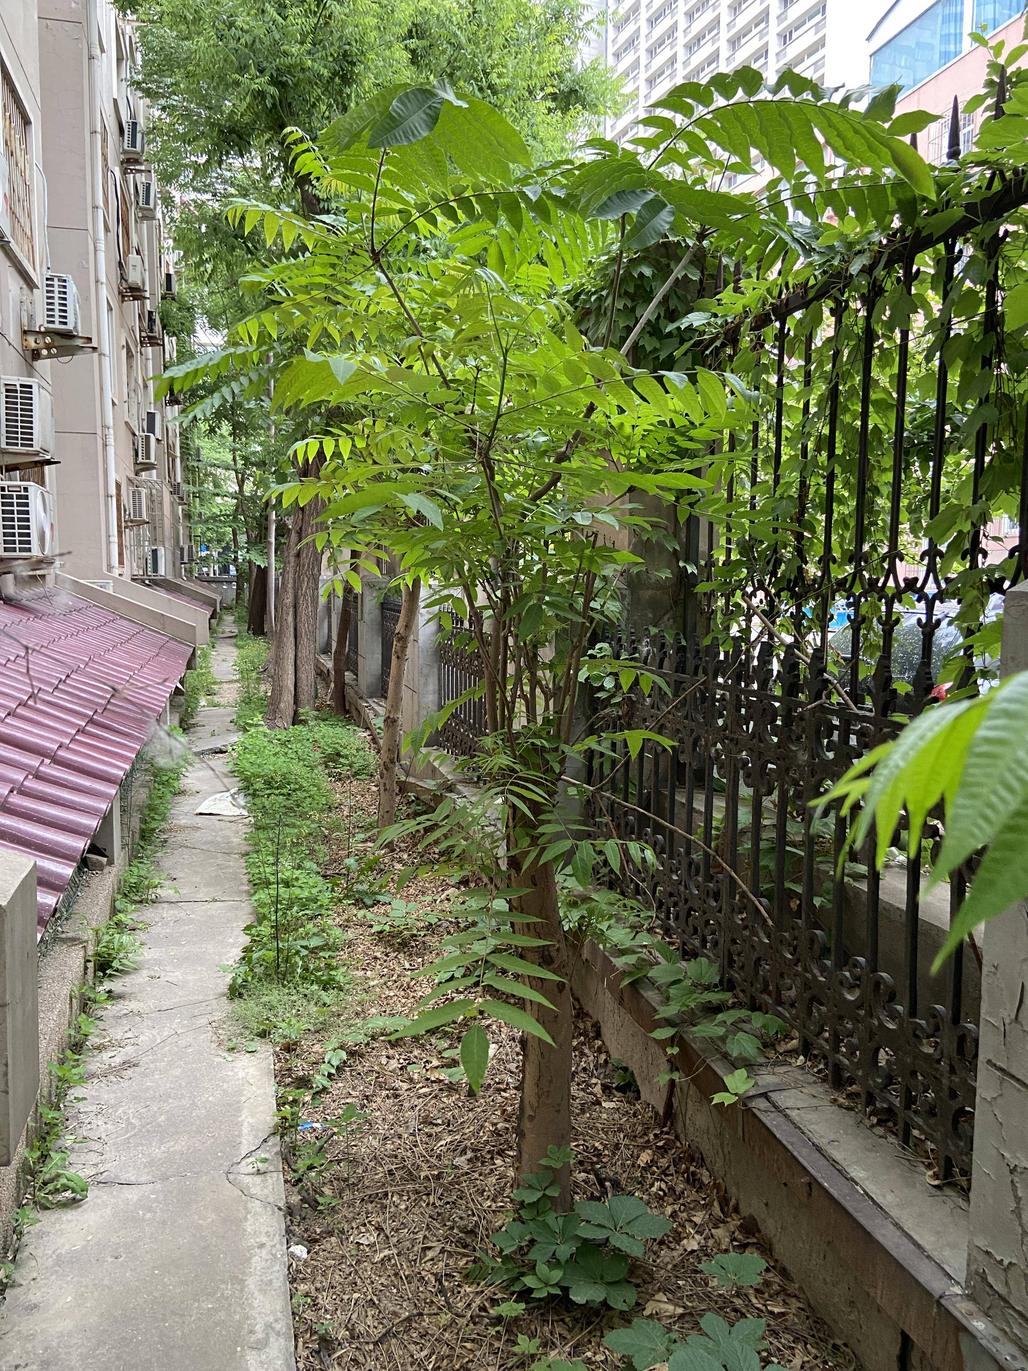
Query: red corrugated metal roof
{"type": "Point", "coordinates": [80, 691]}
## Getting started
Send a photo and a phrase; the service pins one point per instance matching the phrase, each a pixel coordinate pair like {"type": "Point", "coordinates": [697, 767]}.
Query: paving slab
{"type": "Point", "coordinates": [176, 1260]}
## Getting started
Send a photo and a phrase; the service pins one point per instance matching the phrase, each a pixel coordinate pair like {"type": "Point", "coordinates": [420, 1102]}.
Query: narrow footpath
{"type": "Point", "coordinates": [176, 1260]}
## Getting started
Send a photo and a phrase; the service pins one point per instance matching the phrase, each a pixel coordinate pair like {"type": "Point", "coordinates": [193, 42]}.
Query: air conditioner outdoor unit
{"type": "Point", "coordinates": [138, 512]}
{"type": "Point", "coordinates": [169, 283]}
{"type": "Point", "coordinates": [25, 416]}
{"type": "Point", "coordinates": [152, 327]}
{"type": "Point", "coordinates": [155, 565]}
{"type": "Point", "coordinates": [135, 275]}
{"type": "Point", "coordinates": [26, 520]}
{"type": "Point", "coordinates": [185, 553]}
{"type": "Point", "coordinates": [146, 194]}
{"type": "Point", "coordinates": [146, 452]}
{"type": "Point", "coordinates": [134, 142]}
{"type": "Point", "coordinates": [61, 312]}
{"type": "Point", "coordinates": [153, 423]}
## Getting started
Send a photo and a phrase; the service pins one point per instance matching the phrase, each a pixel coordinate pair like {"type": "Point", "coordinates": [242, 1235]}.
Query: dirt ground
{"type": "Point", "coordinates": [382, 1236]}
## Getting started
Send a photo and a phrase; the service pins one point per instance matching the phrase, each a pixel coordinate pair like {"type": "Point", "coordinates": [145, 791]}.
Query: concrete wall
{"type": "Point", "coordinates": [998, 1254]}
{"type": "Point", "coordinates": [19, 1011]}
{"type": "Point", "coordinates": [143, 605]}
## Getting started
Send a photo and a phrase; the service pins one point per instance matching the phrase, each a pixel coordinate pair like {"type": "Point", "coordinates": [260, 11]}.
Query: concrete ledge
{"type": "Point", "coordinates": [143, 605]}
{"type": "Point", "coordinates": [211, 598]}
{"type": "Point", "coordinates": [878, 1252]}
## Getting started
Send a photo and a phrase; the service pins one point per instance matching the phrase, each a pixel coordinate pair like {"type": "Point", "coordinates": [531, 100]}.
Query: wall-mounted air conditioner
{"type": "Point", "coordinates": [146, 197]}
{"type": "Point", "coordinates": [153, 423]}
{"type": "Point", "coordinates": [146, 452]}
{"type": "Point", "coordinates": [61, 310]}
{"type": "Point", "coordinates": [26, 520]}
{"type": "Point", "coordinates": [134, 274]}
{"type": "Point", "coordinates": [185, 554]}
{"type": "Point", "coordinates": [133, 144]}
{"type": "Point", "coordinates": [169, 283]}
{"type": "Point", "coordinates": [138, 507]}
{"type": "Point", "coordinates": [151, 327]}
{"type": "Point", "coordinates": [155, 565]}
{"type": "Point", "coordinates": [26, 416]}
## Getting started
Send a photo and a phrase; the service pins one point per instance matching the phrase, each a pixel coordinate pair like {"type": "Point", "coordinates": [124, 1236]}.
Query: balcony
{"type": "Point", "coordinates": [739, 15]}
{"type": "Point", "coordinates": [794, 43]}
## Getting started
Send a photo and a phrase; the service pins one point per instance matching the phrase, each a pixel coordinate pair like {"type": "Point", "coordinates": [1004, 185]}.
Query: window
{"type": "Point", "coordinates": [993, 14]}
{"type": "Point", "coordinates": [922, 48]}
{"type": "Point", "coordinates": [16, 171]}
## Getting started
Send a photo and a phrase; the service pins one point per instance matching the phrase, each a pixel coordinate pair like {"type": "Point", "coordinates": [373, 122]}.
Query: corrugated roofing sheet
{"type": "Point", "coordinates": [80, 691]}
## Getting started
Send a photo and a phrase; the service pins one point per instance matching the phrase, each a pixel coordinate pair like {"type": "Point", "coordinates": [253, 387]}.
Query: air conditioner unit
{"type": "Point", "coordinates": [26, 416]}
{"type": "Point", "coordinates": [146, 452]}
{"type": "Point", "coordinates": [185, 553]}
{"type": "Point", "coordinates": [134, 142]}
{"type": "Point", "coordinates": [155, 565]}
{"type": "Point", "coordinates": [135, 276]}
{"type": "Point", "coordinates": [26, 520]}
{"type": "Point", "coordinates": [152, 327]}
{"type": "Point", "coordinates": [61, 312]}
{"type": "Point", "coordinates": [153, 423]}
{"type": "Point", "coordinates": [146, 196]}
{"type": "Point", "coordinates": [169, 283]}
{"type": "Point", "coordinates": [138, 507]}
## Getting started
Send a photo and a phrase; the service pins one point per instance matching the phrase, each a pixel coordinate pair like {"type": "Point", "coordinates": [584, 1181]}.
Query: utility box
{"type": "Point", "coordinates": [19, 1001]}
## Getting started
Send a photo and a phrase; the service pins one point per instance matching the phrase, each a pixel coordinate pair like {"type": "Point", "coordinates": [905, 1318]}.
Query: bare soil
{"type": "Point", "coordinates": [414, 1191]}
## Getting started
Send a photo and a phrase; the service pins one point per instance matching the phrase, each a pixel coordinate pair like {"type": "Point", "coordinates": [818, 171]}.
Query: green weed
{"type": "Point", "coordinates": [198, 686]}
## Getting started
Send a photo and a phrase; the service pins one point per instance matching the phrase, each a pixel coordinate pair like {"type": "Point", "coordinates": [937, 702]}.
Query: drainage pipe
{"type": "Point", "coordinates": [100, 321]}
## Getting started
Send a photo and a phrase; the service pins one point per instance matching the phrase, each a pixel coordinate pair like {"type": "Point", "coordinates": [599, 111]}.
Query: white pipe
{"type": "Point", "coordinates": [103, 337]}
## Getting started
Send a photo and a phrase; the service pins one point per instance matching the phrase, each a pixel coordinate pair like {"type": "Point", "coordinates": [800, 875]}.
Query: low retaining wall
{"type": "Point", "coordinates": [878, 1252]}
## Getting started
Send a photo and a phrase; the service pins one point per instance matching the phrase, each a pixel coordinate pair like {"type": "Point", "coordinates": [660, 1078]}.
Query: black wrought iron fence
{"type": "Point", "coordinates": [875, 512]}
{"type": "Point", "coordinates": [351, 607]}
{"type": "Point", "coordinates": [460, 672]}
{"type": "Point", "coordinates": [391, 605]}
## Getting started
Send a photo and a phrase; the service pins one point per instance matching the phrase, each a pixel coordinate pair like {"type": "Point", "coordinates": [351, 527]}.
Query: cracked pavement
{"type": "Point", "coordinates": [177, 1257]}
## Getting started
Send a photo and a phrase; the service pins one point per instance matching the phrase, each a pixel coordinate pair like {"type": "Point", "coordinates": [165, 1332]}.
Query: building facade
{"type": "Point", "coordinates": [915, 39]}
{"type": "Point", "coordinates": [83, 270]}
{"type": "Point", "coordinates": [26, 403]}
{"type": "Point", "coordinates": [653, 45]}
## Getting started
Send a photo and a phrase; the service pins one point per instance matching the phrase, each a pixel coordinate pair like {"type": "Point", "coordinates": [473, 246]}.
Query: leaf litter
{"type": "Point", "coordinates": [409, 1194]}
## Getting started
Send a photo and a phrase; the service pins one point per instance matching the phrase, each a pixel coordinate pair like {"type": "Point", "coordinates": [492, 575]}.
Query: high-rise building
{"type": "Point", "coordinates": [656, 44]}
{"type": "Point", "coordinates": [915, 39]}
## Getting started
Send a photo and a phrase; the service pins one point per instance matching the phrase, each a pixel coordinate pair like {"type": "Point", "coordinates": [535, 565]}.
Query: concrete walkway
{"type": "Point", "coordinates": [176, 1260]}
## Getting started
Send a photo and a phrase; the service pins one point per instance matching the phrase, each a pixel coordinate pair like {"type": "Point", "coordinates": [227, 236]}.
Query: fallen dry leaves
{"type": "Point", "coordinates": [392, 1224]}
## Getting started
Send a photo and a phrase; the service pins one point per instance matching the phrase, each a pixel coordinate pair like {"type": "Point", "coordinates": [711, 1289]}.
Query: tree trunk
{"type": "Point", "coordinates": [342, 641]}
{"type": "Point", "coordinates": [387, 779]}
{"type": "Point", "coordinates": [544, 1115]}
{"type": "Point", "coordinates": [282, 701]}
{"type": "Point", "coordinates": [257, 600]}
{"type": "Point", "coordinates": [305, 590]}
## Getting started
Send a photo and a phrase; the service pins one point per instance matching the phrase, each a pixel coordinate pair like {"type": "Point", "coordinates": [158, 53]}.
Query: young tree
{"type": "Point", "coordinates": [502, 459]}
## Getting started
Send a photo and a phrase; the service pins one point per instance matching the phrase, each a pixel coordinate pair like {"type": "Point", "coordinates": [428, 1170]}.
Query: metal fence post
{"type": "Point", "coordinates": [998, 1255]}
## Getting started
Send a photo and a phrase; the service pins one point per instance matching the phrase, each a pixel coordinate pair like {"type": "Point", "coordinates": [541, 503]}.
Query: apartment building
{"type": "Point", "coordinates": [915, 39]}
{"type": "Point", "coordinates": [26, 429]}
{"type": "Point", "coordinates": [656, 44]}
{"type": "Point", "coordinates": [90, 465]}
{"type": "Point", "coordinates": [119, 485]}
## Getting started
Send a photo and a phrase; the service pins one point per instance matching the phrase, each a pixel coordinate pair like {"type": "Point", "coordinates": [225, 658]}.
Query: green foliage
{"type": "Point", "coordinates": [731, 1269]}
{"type": "Point", "coordinates": [286, 777]}
{"type": "Point", "coordinates": [720, 1347]}
{"type": "Point", "coordinates": [198, 686]}
{"type": "Point", "coordinates": [584, 1256]}
{"type": "Point", "coordinates": [251, 661]}
{"type": "Point", "coordinates": [971, 756]}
